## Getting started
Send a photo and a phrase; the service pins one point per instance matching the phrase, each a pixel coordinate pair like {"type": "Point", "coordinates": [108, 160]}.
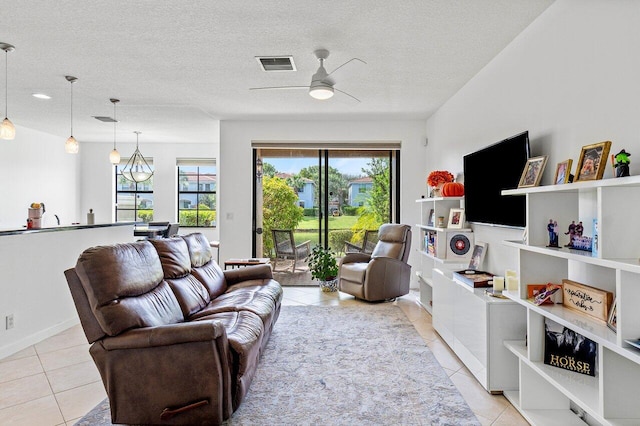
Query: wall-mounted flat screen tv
{"type": "Point", "coordinates": [486, 173]}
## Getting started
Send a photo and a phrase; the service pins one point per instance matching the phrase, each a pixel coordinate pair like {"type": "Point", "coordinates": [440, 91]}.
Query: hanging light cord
{"type": "Point", "coordinates": [71, 107]}
{"type": "Point", "coordinates": [6, 84]}
{"type": "Point", "coordinates": [115, 122]}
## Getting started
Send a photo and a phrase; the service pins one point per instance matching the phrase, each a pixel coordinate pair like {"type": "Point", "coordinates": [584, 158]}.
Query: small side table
{"type": "Point", "coordinates": [238, 263]}
{"type": "Point", "coordinates": [216, 245]}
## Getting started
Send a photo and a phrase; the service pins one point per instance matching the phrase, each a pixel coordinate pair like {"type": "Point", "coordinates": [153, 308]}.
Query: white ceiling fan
{"type": "Point", "coordinates": [322, 85]}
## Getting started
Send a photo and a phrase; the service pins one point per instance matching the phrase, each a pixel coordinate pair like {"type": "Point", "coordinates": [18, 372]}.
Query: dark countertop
{"type": "Point", "coordinates": [62, 228]}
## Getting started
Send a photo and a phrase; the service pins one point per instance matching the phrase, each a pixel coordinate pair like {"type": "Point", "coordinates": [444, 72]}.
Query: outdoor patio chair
{"type": "Point", "coordinates": [286, 248]}
{"type": "Point", "coordinates": [368, 243]}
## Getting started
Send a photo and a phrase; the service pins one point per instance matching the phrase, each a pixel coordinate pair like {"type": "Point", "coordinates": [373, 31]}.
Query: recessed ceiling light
{"type": "Point", "coordinates": [41, 96]}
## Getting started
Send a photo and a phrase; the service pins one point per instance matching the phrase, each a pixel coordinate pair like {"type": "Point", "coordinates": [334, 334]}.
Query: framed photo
{"type": "Point", "coordinates": [593, 160]}
{"type": "Point", "coordinates": [432, 218]}
{"type": "Point", "coordinates": [456, 219]}
{"type": "Point", "coordinates": [477, 257]}
{"type": "Point", "coordinates": [563, 172]}
{"type": "Point", "coordinates": [532, 172]}
{"type": "Point", "coordinates": [612, 322]}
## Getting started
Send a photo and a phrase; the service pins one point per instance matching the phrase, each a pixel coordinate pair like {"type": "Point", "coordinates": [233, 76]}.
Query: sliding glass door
{"type": "Point", "coordinates": [325, 196]}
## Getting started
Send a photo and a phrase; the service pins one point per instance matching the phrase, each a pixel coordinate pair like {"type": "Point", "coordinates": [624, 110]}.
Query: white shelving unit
{"type": "Point", "coordinates": [548, 395]}
{"type": "Point", "coordinates": [474, 325]}
{"type": "Point", "coordinates": [441, 207]}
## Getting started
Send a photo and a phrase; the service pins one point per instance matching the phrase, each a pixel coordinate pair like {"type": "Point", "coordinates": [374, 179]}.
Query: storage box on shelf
{"type": "Point", "coordinates": [549, 395]}
{"type": "Point", "coordinates": [437, 255]}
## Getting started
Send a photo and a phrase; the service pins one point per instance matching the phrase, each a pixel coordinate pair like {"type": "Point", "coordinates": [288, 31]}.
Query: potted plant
{"type": "Point", "coordinates": [324, 268]}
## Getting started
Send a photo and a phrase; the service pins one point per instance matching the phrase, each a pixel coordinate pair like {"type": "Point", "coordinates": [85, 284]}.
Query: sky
{"type": "Point", "coordinates": [351, 166]}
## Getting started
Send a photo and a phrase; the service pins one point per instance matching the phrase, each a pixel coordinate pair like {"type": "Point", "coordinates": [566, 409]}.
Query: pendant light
{"type": "Point", "coordinates": [71, 145]}
{"type": "Point", "coordinates": [137, 169]}
{"type": "Point", "coordinates": [114, 156]}
{"type": "Point", "coordinates": [7, 129]}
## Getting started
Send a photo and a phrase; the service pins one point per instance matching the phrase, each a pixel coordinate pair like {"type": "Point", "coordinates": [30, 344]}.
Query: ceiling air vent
{"type": "Point", "coordinates": [276, 63]}
{"type": "Point", "coordinates": [105, 119]}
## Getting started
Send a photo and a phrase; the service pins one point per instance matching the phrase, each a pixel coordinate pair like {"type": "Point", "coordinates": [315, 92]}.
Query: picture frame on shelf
{"type": "Point", "coordinates": [477, 256]}
{"type": "Point", "coordinates": [592, 161]}
{"type": "Point", "coordinates": [432, 218]}
{"type": "Point", "coordinates": [563, 172]}
{"type": "Point", "coordinates": [612, 321]}
{"type": "Point", "coordinates": [456, 218]}
{"type": "Point", "coordinates": [532, 173]}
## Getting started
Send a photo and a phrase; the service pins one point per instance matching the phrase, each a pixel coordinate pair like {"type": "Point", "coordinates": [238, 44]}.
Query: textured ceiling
{"type": "Point", "coordinates": [177, 66]}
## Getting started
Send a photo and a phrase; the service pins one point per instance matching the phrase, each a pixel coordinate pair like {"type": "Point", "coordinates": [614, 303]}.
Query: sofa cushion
{"type": "Point", "coordinates": [125, 287]}
{"type": "Point", "coordinates": [261, 304]}
{"type": "Point", "coordinates": [174, 256]}
{"type": "Point", "coordinates": [199, 249]}
{"type": "Point", "coordinates": [212, 277]}
{"type": "Point", "coordinates": [190, 293]}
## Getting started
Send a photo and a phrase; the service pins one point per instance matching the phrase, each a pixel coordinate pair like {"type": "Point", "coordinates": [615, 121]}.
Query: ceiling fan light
{"type": "Point", "coordinates": [71, 146]}
{"type": "Point", "coordinates": [321, 92]}
{"type": "Point", "coordinates": [7, 130]}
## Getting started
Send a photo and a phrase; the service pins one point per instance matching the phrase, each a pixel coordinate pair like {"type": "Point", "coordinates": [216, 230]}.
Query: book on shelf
{"type": "Point", "coordinates": [566, 349]}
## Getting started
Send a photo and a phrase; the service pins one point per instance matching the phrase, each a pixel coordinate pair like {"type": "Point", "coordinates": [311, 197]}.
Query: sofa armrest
{"type": "Point", "coordinates": [184, 368]}
{"type": "Point", "coordinates": [165, 335]}
{"type": "Point", "coordinates": [256, 272]}
{"type": "Point", "coordinates": [355, 258]}
{"type": "Point", "coordinates": [386, 277]}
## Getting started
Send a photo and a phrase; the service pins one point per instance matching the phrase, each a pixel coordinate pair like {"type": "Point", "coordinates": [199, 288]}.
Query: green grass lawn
{"type": "Point", "coordinates": [335, 222]}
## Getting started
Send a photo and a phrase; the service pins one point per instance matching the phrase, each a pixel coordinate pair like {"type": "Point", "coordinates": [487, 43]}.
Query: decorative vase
{"type": "Point", "coordinates": [436, 191]}
{"type": "Point", "coordinates": [329, 286]}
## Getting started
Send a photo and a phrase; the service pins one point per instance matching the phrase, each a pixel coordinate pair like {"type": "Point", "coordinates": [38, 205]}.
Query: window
{"type": "Point", "coordinates": [362, 189]}
{"type": "Point", "coordinates": [197, 185]}
{"type": "Point", "coordinates": [134, 201]}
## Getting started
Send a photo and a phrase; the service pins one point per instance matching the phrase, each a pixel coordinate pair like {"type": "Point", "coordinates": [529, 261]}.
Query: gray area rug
{"type": "Point", "coordinates": [356, 365]}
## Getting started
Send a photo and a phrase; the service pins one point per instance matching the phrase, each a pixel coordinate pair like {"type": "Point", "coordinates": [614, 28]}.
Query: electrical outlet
{"type": "Point", "coordinates": [9, 321]}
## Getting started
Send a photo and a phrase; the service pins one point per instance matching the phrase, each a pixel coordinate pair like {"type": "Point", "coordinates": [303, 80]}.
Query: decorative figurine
{"type": "Point", "coordinates": [571, 233]}
{"type": "Point", "coordinates": [552, 229]}
{"type": "Point", "coordinates": [621, 163]}
{"type": "Point", "coordinates": [579, 229]}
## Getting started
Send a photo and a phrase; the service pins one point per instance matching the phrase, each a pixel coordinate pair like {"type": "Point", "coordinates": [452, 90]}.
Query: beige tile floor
{"type": "Point", "coordinates": [55, 381]}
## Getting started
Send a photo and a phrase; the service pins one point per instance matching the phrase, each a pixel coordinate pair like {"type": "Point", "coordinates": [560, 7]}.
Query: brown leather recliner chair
{"type": "Point", "coordinates": [385, 273]}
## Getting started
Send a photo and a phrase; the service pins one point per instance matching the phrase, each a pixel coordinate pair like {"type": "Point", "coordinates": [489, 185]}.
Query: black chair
{"type": "Point", "coordinates": [172, 230]}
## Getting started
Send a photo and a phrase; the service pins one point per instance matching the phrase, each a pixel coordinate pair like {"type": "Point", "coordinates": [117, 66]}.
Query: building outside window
{"type": "Point", "coordinates": [134, 201]}
{"type": "Point", "coordinates": [197, 186]}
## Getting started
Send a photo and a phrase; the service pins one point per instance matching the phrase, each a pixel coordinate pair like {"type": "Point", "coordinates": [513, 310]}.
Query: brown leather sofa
{"type": "Point", "coordinates": [382, 275]}
{"type": "Point", "coordinates": [176, 339]}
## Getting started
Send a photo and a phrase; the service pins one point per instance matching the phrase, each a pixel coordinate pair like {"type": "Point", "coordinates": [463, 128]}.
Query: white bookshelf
{"type": "Point", "coordinates": [439, 259]}
{"type": "Point", "coordinates": [549, 395]}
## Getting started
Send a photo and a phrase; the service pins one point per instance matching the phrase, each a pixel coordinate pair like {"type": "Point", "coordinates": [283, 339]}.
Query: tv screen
{"type": "Point", "coordinates": [486, 173]}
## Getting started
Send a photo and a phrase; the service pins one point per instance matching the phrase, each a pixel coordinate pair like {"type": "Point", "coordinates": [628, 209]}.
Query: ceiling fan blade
{"type": "Point", "coordinates": [279, 87]}
{"type": "Point", "coordinates": [342, 91]}
{"type": "Point", "coordinates": [350, 60]}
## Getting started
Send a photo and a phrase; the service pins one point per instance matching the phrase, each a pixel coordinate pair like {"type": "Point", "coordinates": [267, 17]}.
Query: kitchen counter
{"type": "Point", "coordinates": [24, 230]}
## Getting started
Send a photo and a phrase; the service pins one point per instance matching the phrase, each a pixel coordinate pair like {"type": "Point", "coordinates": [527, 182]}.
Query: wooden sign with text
{"type": "Point", "coordinates": [588, 300]}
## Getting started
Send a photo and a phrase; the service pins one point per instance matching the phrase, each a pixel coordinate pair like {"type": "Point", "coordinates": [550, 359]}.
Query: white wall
{"type": "Point", "coordinates": [98, 181]}
{"type": "Point", "coordinates": [236, 168]}
{"type": "Point", "coordinates": [35, 168]}
{"type": "Point", "coordinates": [571, 79]}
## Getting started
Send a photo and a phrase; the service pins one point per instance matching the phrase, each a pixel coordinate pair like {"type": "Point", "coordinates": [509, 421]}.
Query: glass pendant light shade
{"type": "Point", "coordinates": [114, 155]}
{"type": "Point", "coordinates": [137, 169]}
{"type": "Point", "coordinates": [71, 146]}
{"type": "Point", "coordinates": [7, 129]}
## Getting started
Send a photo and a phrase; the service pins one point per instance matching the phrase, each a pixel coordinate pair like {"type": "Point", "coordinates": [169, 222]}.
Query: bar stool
{"type": "Point", "coordinates": [216, 245]}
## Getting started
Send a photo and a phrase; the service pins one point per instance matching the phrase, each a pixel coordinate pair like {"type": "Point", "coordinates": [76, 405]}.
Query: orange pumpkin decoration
{"type": "Point", "coordinates": [452, 189]}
